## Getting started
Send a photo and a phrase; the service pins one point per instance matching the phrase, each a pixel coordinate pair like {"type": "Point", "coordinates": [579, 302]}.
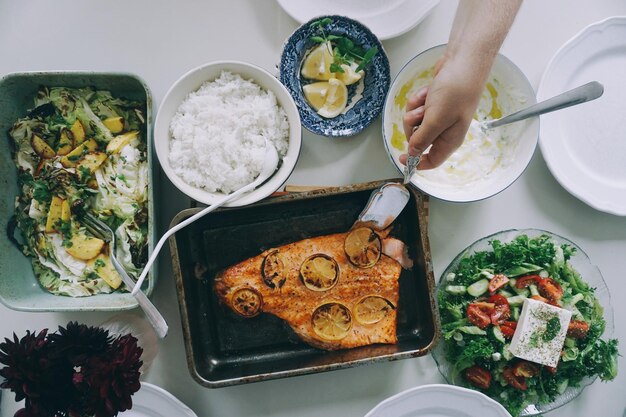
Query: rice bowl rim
{"type": "Point", "coordinates": [190, 82]}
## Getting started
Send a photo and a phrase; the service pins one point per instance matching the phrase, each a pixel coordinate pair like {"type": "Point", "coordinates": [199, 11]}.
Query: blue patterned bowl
{"type": "Point", "coordinates": [363, 110]}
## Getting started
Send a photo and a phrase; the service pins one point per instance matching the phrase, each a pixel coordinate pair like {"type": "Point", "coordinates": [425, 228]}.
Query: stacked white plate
{"type": "Point", "coordinates": [585, 146]}
{"type": "Point", "coordinates": [387, 19]}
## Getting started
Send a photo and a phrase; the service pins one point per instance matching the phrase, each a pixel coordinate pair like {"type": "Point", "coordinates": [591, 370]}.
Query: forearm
{"type": "Point", "coordinates": [479, 28]}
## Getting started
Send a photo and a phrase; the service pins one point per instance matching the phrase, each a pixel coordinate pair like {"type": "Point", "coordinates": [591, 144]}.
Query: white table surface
{"type": "Point", "coordinates": [160, 40]}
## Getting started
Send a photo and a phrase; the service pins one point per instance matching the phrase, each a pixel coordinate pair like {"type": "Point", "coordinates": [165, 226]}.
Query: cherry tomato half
{"type": "Point", "coordinates": [511, 324]}
{"type": "Point", "coordinates": [507, 330]}
{"type": "Point", "coordinates": [477, 316]}
{"type": "Point", "coordinates": [525, 281]}
{"type": "Point", "coordinates": [517, 382]}
{"type": "Point", "coordinates": [550, 289]}
{"type": "Point", "coordinates": [478, 376]}
{"type": "Point", "coordinates": [577, 329]}
{"type": "Point", "coordinates": [498, 281]}
{"type": "Point", "coordinates": [501, 311]}
{"type": "Point", "coordinates": [525, 369]}
{"type": "Point", "coordinates": [484, 306]}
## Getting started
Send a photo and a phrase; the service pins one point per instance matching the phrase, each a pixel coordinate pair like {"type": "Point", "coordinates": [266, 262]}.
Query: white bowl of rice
{"type": "Point", "coordinates": [211, 130]}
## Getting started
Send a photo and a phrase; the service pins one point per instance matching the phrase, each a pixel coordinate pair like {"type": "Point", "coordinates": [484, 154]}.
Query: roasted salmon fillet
{"type": "Point", "coordinates": [329, 301]}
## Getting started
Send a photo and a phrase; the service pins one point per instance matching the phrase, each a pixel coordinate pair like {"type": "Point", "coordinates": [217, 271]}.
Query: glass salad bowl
{"type": "Point", "coordinates": [580, 263]}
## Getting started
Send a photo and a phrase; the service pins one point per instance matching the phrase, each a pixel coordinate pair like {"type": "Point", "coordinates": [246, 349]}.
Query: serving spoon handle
{"type": "Point", "coordinates": [578, 95]}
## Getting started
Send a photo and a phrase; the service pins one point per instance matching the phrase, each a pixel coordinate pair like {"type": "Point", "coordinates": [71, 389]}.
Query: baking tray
{"type": "Point", "coordinates": [19, 288]}
{"type": "Point", "coordinates": [225, 349]}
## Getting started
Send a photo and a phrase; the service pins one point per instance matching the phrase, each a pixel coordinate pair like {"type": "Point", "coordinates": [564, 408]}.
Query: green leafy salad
{"type": "Point", "coordinates": [81, 147]}
{"type": "Point", "coordinates": [480, 304]}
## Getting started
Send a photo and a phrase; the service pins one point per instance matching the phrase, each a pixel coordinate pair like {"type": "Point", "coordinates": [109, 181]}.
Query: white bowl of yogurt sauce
{"type": "Point", "coordinates": [486, 163]}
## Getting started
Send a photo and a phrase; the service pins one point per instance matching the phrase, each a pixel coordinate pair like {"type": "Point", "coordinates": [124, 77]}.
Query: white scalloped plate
{"type": "Point", "coordinates": [438, 400]}
{"type": "Point", "coordinates": [387, 19]}
{"type": "Point", "coordinates": [585, 146]}
{"type": "Point", "coordinates": [153, 401]}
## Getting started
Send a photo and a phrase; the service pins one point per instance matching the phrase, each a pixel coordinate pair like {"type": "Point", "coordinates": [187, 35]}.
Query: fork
{"type": "Point", "coordinates": [578, 95]}
{"type": "Point", "coordinates": [102, 231]}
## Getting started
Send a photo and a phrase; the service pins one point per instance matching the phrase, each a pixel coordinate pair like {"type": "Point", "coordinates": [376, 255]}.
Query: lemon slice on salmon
{"type": "Point", "coordinates": [372, 309]}
{"type": "Point", "coordinates": [316, 65]}
{"type": "Point", "coordinates": [319, 272]}
{"type": "Point", "coordinates": [331, 321]}
{"type": "Point", "coordinates": [363, 247]}
{"type": "Point", "coordinates": [336, 99]}
{"type": "Point", "coordinates": [247, 302]}
{"type": "Point", "coordinates": [273, 270]}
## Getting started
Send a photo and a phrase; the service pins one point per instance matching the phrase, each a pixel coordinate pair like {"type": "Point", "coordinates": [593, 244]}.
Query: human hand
{"type": "Point", "coordinates": [443, 111]}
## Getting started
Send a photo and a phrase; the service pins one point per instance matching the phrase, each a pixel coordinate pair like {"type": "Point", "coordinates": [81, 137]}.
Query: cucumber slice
{"type": "Point", "coordinates": [487, 274]}
{"type": "Point", "coordinates": [478, 288]}
{"type": "Point", "coordinates": [506, 353]}
{"type": "Point", "coordinates": [569, 342]}
{"type": "Point", "coordinates": [497, 333]}
{"type": "Point", "coordinates": [575, 299]}
{"type": "Point", "coordinates": [562, 386]}
{"type": "Point", "coordinates": [472, 330]}
{"type": "Point", "coordinates": [533, 289]}
{"type": "Point", "coordinates": [516, 300]}
{"type": "Point", "coordinates": [505, 293]}
{"type": "Point", "coordinates": [456, 289]}
{"type": "Point", "coordinates": [524, 292]}
{"type": "Point", "coordinates": [515, 313]}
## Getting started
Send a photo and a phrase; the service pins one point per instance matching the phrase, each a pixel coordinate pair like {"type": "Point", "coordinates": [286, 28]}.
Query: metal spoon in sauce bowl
{"type": "Point", "coordinates": [270, 163]}
{"type": "Point", "coordinates": [578, 95]}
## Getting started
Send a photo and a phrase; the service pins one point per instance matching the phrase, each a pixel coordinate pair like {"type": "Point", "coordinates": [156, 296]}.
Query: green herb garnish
{"type": "Point", "coordinates": [553, 326]}
{"type": "Point", "coordinates": [41, 192]}
{"type": "Point", "coordinates": [85, 173]}
{"type": "Point", "coordinates": [345, 51]}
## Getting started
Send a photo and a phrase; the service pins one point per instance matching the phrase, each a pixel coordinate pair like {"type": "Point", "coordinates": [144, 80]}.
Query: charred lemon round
{"type": "Point", "coordinates": [331, 321]}
{"type": "Point", "coordinates": [273, 270]}
{"type": "Point", "coordinates": [372, 309]}
{"type": "Point", "coordinates": [319, 272]}
{"type": "Point", "coordinates": [363, 247]}
{"type": "Point", "coordinates": [247, 302]}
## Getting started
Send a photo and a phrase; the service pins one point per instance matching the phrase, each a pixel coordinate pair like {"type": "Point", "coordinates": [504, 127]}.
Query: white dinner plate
{"type": "Point", "coordinates": [585, 146]}
{"type": "Point", "coordinates": [438, 400]}
{"type": "Point", "coordinates": [386, 19]}
{"type": "Point", "coordinates": [153, 401]}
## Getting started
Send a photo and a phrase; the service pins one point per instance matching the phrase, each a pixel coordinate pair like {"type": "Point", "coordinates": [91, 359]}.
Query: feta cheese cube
{"type": "Point", "coordinates": [540, 332]}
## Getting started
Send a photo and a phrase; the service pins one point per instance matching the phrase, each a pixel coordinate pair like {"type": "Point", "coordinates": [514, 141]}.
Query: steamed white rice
{"type": "Point", "coordinates": [219, 132]}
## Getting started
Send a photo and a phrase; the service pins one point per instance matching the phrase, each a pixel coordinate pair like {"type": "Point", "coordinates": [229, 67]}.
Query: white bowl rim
{"type": "Point", "coordinates": [288, 162]}
{"type": "Point", "coordinates": [400, 167]}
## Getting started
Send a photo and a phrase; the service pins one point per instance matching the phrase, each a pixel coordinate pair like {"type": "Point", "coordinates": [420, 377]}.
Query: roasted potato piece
{"type": "Point", "coordinates": [93, 184]}
{"type": "Point", "coordinates": [120, 141]}
{"type": "Point", "coordinates": [66, 213]}
{"type": "Point", "coordinates": [66, 142]}
{"type": "Point", "coordinates": [104, 268]}
{"type": "Point", "coordinates": [41, 147]}
{"type": "Point", "coordinates": [78, 131]}
{"type": "Point", "coordinates": [84, 247]}
{"type": "Point", "coordinates": [90, 162]}
{"type": "Point", "coordinates": [39, 167]}
{"type": "Point", "coordinates": [114, 124]}
{"type": "Point", "coordinates": [71, 159]}
{"type": "Point", "coordinates": [54, 214]}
